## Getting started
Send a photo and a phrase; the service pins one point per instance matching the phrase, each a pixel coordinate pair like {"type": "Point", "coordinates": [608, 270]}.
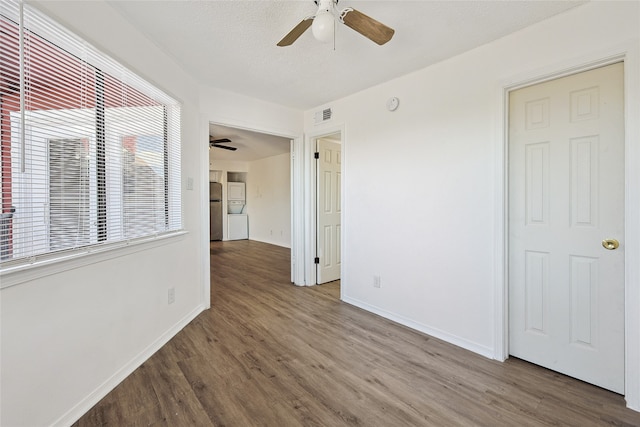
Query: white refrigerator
{"type": "Point", "coordinates": [237, 222]}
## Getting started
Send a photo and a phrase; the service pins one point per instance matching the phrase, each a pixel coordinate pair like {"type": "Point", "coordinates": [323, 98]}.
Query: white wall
{"type": "Point", "coordinates": [239, 111]}
{"type": "Point", "coordinates": [440, 155]}
{"type": "Point", "coordinates": [269, 200]}
{"type": "Point", "coordinates": [268, 195]}
{"type": "Point", "coordinates": [228, 166]}
{"type": "Point", "coordinates": [69, 337]}
{"type": "Point", "coordinates": [229, 109]}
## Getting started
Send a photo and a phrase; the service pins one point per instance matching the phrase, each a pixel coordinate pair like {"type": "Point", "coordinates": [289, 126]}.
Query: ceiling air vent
{"type": "Point", "coordinates": [322, 116]}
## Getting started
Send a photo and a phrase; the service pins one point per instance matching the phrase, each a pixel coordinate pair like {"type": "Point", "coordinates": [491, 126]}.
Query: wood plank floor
{"type": "Point", "coordinates": [272, 354]}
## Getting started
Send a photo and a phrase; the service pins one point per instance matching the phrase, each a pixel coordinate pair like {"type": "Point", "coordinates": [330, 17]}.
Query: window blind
{"type": "Point", "coordinates": [90, 152]}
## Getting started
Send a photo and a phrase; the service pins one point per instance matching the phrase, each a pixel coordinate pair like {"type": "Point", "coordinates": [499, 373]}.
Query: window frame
{"type": "Point", "coordinates": [51, 265]}
{"type": "Point", "coordinates": [29, 267]}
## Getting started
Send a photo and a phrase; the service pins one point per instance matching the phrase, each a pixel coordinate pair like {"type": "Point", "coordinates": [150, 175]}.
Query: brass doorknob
{"type": "Point", "coordinates": [610, 244]}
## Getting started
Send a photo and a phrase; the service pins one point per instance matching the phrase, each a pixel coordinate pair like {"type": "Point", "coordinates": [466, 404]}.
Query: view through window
{"type": "Point", "coordinates": [89, 152]}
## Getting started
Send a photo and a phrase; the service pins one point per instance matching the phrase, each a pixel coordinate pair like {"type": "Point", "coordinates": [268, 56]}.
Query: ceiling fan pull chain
{"type": "Point", "coordinates": [334, 35]}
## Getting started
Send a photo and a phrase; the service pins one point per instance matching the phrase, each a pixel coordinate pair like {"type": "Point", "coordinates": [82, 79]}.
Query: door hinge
{"type": "Point", "coordinates": [316, 155]}
{"type": "Point", "coordinates": [316, 260]}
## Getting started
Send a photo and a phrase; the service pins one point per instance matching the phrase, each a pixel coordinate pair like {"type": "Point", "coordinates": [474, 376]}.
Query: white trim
{"type": "Point", "coordinates": [205, 261]}
{"type": "Point", "coordinates": [344, 203]}
{"type": "Point", "coordinates": [297, 212]}
{"type": "Point", "coordinates": [92, 255]}
{"type": "Point", "coordinates": [78, 410]}
{"type": "Point", "coordinates": [632, 226]}
{"type": "Point", "coordinates": [274, 243]}
{"type": "Point", "coordinates": [310, 208]}
{"type": "Point", "coordinates": [292, 210]}
{"type": "Point", "coordinates": [500, 231]}
{"type": "Point", "coordinates": [433, 332]}
{"type": "Point", "coordinates": [628, 53]}
{"type": "Point", "coordinates": [311, 277]}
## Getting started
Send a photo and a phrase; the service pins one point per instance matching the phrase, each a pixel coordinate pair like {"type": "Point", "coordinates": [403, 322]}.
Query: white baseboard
{"type": "Point", "coordinates": [94, 397]}
{"type": "Point", "coordinates": [271, 242]}
{"type": "Point", "coordinates": [444, 336]}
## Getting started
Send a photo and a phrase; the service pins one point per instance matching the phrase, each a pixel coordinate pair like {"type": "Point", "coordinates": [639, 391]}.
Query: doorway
{"type": "Point", "coordinates": [566, 225]}
{"type": "Point", "coordinates": [328, 176]}
{"type": "Point", "coordinates": [259, 164]}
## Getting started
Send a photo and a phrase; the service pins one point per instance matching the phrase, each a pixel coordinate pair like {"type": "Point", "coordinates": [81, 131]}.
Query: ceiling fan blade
{"type": "Point", "coordinates": [226, 147]}
{"type": "Point", "coordinates": [367, 26]}
{"type": "Point", "coordinates": [296, 32]}
{"type": "Point", "coordinates": [219, 141]}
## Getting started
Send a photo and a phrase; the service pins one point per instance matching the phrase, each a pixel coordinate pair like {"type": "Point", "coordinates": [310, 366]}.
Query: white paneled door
{"type": "Point", "coordinates": [566, 219]}
{"type": "Point", "coordinates": [329, 209]}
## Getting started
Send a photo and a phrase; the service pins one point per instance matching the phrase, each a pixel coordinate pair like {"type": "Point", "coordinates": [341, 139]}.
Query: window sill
{"type": "Point", "coordinates": [16, 275]}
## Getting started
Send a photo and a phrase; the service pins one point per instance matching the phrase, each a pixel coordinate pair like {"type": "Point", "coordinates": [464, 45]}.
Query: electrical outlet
{"type": "Point", "coordinates": [189, 183]}
{"type": "Point", "coordinates": [376, 282]}
{"type": "Point", "coordinates": [171, 295]}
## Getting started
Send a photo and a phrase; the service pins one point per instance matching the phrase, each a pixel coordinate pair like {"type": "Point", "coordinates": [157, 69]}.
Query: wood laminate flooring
{"type": "Point", "coordinates": [268, 353]}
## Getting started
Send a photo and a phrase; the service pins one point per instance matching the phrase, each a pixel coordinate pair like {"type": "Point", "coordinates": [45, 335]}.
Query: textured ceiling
{"type": "Point", "coordinates": [232, 44]}
{"type": "Point", "coordinates": [250, 145]}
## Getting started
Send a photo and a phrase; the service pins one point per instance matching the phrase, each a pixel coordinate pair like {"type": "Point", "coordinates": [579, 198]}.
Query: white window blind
{"type": "Point", "coordinates": [90, 152]}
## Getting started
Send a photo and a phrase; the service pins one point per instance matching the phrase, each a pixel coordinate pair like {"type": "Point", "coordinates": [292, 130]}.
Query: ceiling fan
{"type": "Point", "coordinates": [323, 24]}
{"type": "Point", "coordinates": [217, 143]}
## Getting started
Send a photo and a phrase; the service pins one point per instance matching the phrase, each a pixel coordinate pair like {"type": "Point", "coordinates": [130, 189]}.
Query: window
{"type": "Point", "coordinates": [89, 152]}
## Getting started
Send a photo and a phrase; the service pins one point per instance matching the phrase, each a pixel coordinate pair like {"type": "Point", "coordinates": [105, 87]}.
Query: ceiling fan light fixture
{"type": "Point", "coordinates": [323, 26]}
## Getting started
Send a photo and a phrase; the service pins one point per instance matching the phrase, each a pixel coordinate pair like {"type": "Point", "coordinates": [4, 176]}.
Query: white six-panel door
{"type": "Point", "coordinates": [566, 195]}
{"type": "Point", "coordinates": [329, 209]}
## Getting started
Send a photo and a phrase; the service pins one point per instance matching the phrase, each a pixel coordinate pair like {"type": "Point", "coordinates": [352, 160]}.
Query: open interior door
{"type": "Point", "coordinates": [328, 175]}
